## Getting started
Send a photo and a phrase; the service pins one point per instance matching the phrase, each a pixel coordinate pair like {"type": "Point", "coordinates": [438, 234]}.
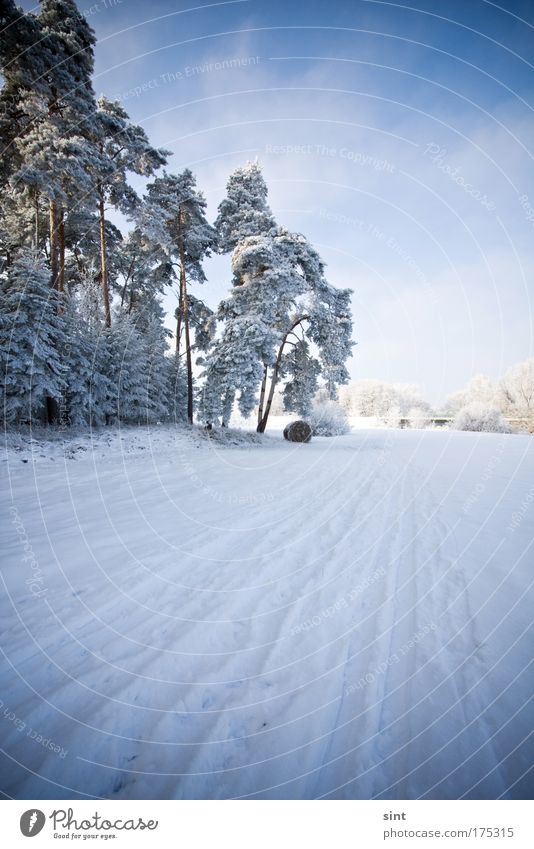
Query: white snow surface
{"type": "Point", "coordinates": [188, 615]}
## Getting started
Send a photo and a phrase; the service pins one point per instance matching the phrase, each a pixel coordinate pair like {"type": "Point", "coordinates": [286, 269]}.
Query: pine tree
{"type": "Point", "coordinates": [32, 333]}
{"type": "Point", "coordinates": [124, 148]}
{"type": "Point", "coordinates": [174, 217]}
{"type": "Point", "coordinates": [176, 392]}
{"type": "Point", "coordinates": [53, 155]}
{"type": "Point", "coordinates": [303, 370]}
{"type": "Point", "coordinates": [86, 356]}
{"type": "Point", "coordinates": [126, 371]}
{"type": "Point", "coordinates": [148, 317]}
{"type": "Point", "coordinates": [244, 211]}
{"type": "Point", "coordinates": [279, 287]}
{"type": "Point", "coordinates": [144, 267]}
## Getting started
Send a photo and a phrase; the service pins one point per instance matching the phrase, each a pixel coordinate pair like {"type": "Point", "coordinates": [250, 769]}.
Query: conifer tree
{"type": "Point", "coordinates": [174, 217]}
{"type": "Point", "coordinates": [303, 370]}
{"type": "Point", "coordinates": [279, 287]}
{"type": "Point", "coordinates": [32, 333]}
{"type": "Point", "coordinates": [124, 148]}
{"type": "Point", "coordinates": [244, 211]}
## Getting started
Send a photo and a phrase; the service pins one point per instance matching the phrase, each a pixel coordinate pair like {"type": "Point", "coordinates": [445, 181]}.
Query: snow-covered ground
{"type": "Point", "coordinates": [345, 619]}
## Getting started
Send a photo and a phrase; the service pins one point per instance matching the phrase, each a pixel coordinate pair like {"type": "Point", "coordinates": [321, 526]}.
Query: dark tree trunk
{"type": "Point", "coordinates": [179, 320]}
{"type": "Point", "coordinates": [36, 208]}
{"type": "Point", "coordinates": [104, 261]}
{"type": "Point", "coordinates": [61, 275]}
{"type": "Point", "coordinates": [184, 312]}
{"type": "Point", "coordinates": [52, 411]}
{"type": "Point", "coordinates": [187, 351]}
{"type": "Point", "coordinates": [262, 423]}
{"type": "Point", "coordinates": [262, 395]}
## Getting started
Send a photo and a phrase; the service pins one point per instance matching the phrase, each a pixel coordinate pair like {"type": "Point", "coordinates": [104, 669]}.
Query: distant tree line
{"type": "Point", "coordinates": [484, 404]}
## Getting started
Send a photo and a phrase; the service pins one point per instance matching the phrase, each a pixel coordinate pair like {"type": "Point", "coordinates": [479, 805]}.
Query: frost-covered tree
{"type": "Point", "coordinates": [244, 211]}
{"type": "Point", "coordinates": [144, 267]}
{"type": "Point", "coordinates": [478, 416]}
{"type": "Point", "coordinates": [174, 216]}
{"type": "Point", "coordinates": [32, 333]}
{"type": "Point", "coordinates": [124, 149]}
{"type": "Point", "coordinates": [389, 402]}
{"type": "Point", "coordinates": [303, 370]}
{"type": "Point", "coordinates": [52, 116]}
{"type": "Point", "coordinates": [86, 357]}
{"type": "Point", "coordinates": [517, 392]}
{"type": "Point", "coordinates": [328, 418]}
{"type": "Point", "coordinates": [279, 287]}
{"type": "Point", "coordinates": [418, 418]}
{"type": "Point", "coordinates": [126, 373]}
{"type": "Point", "coordinates": [66, 160]}
{"type": "Point", "coordinates": [480, 390]}
{"type": "Point", "coordinates": [176, 389]}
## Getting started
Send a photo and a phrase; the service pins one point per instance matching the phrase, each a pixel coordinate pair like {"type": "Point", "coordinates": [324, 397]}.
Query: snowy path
{"type": "Point", "coordinates": [347, 619]}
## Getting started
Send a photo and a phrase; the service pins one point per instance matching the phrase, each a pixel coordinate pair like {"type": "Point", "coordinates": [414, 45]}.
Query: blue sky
{"type": "Point", "coordinates": [398, 139]}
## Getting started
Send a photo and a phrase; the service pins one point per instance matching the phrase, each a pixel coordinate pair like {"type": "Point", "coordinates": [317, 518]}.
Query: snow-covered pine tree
{"type": "Point", "coordinates": [86, 356]}
{"type": "Point", "coordinates": [144, 267]}
{"type": "Point", "coordinates": [32, 333]}
{"type": "Point", "coordinates": [127, 371]}
{"type": "Point", "coordinates": [244, 211]}
{"type": "Point", "coordinates": [303, 370]}
{"type": "Point", "coordinates": [124, 148]}
{"type": "Point", "coordinates": [279, 286]}
{"type": "Point", "coordinates": [148, 316]}
{"type": "Point", "coordinates": [176, 389]}
{"type": "Point", "coordinates": [174, 216]}
{"type": "Point", "coordinates": [54, 154]}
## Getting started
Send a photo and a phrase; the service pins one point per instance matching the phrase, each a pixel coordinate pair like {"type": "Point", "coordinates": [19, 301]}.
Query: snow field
{"type": "Point", "coordinates": [187, 617]}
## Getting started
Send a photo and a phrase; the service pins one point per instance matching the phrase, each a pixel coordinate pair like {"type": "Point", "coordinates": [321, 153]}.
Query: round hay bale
{"type": "Point", "coordinates": [298, 431]}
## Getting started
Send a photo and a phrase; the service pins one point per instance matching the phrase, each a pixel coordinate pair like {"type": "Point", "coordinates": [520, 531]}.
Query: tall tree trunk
{"type": "Point", "coordinates": [262, 424]}
{"type": "Point", "coordinates": [52, 406]}
{"type": "Point", "coordinates": [104, 260]}
{"type": "Point", "coordinates": [36, 213]}
{"type": "Point", "coordinates": [54, 259]}
{"type": "Point", "coordinates": [189, 362]}
{"type": "Point", "coordinates": [61, 276]}
{"type": "Point", "coordinates": [179, 319]}
{"type": "Point", "coordinates": [185, 314]}
{"type": "Point", "coordinates": [262, 395]}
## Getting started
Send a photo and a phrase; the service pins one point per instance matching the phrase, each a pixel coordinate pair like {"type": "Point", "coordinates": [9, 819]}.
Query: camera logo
{"type": "Point", "coordinates": [32, 822]}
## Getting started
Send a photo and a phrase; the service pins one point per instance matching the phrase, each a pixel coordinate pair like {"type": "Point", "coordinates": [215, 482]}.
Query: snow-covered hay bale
{"type": "Point", "coordinates": [298, 431]}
